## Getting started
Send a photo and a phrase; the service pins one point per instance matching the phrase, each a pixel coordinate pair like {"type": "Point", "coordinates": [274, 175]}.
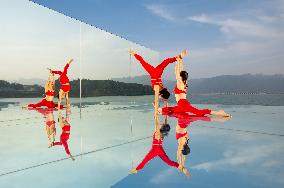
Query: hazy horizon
{"type": "Point", "coordinates": [39, 81]}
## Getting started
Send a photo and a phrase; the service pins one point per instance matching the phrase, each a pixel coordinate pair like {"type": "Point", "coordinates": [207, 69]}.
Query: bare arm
{"type": "Point", "coordinates": [180, 65]}
{"type": "Point", "coordinates": [179, 153]}
{"type": "Point", "coordinates": [177, 72]}
{"type": "Point", "coordinates": [46, 86]}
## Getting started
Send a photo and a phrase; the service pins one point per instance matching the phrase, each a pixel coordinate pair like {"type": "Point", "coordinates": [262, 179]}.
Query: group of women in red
{"type": "Point", "coordinates": [47, 101]}
{"type": "Point", "coordinates": [50, 126]}
{"type": "Point", "coordinates": [180, 111]}
{"type": "Point", "coordinates": [183, 105]}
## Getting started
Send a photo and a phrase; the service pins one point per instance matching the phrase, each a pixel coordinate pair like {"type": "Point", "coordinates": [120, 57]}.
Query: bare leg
{"type": "Point", "coordinates": [59, 99]}
{"type": "Point", "coordinates": [67, 100]}
{"type": "Point", "coordinates": [166, 103]}
{"type": "Point", "coordinates": [156, 102]}
{"type": "Point", "coordinates": [220, 113]}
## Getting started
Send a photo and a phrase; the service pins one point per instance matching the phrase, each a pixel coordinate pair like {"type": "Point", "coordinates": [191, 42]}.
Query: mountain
{"type": "Point", "coordinates": [14, 90]}
{"type": "Point", "coordinates": [231, 84]}
{"type": "Point", "coordinates": [90, 88]}
{"type": "Point", "coordinates": [246, 83]}
{"type": "Point", "coordinates": [31, 81]}
{"type": "Point", "coordinates": [144, 79]}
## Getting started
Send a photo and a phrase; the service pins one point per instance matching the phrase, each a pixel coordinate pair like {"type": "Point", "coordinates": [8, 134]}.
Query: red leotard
{"type": "Point", "coordinates": [63, 79]}
{"type": "Point", "coordinates": [155, 72]}
{"type": "Point", "coordinates": [157, 150]}
{"type": "Point", "coordinates": [64, 138]}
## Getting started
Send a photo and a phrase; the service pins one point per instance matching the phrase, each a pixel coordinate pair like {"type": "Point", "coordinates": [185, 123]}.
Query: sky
{"type": "Point", "coordinates": [223, 36]}
{"type": "Point", "coordinates": [34, 38]}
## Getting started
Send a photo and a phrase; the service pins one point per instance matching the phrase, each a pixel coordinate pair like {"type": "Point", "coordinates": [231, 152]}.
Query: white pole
{"type": "Point", "coordinates": [80, 68]}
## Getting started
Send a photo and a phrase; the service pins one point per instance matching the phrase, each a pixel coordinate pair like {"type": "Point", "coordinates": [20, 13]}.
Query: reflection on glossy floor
{"type": "Point", "coordinates": [112, 136]}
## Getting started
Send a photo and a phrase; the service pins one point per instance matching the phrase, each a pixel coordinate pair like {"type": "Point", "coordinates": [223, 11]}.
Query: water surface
{"type": "Point", "coordinates": [112, 135]}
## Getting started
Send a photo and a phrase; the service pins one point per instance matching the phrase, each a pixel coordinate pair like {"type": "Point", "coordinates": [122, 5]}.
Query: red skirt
{"type": "Point", "coordinates": [184, 105]}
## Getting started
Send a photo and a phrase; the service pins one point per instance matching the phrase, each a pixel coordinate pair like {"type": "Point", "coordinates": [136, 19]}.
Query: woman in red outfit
{"type": "Point", "coordinates": [183, 105]}
{"type": "Point", "coordinates": [65, 134]}
{"type": "Point", "coordinates": [49, 95]}
{"type": "Point", "coordinates": [156, 76]}
{"type": "Point", "coordinates": [184, 120]}
{"type": "Point", "coordinates": [158, 150]}
{"type": "Point", "coordinates": [65, 85]}
{"type": "Point", "coordinates": [49, 124]}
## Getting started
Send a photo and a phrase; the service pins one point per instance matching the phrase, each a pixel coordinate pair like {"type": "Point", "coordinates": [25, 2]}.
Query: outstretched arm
{"type": "Point", "coordinates": [177, 71]}
{"type": "Point", "coordinates": [46, 86]}
{"type": "Point", "coordinates": [179, 153]}
{"type": "Point", "coordinates": [57, 72]}
{"type": "Point", "coordinates": [179, 59]}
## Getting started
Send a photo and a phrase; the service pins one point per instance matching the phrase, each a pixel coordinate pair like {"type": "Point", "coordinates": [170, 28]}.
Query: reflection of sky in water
{"type": "Point", "coordinates": [222, 154]}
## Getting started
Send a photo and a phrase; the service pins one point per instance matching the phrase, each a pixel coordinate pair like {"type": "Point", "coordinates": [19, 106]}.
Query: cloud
{"type": "Point", "coordinates": [163, 177]}
{"type": "Point", "coordinates": [201, 18]}
{"type": "Point", "coordinates": [162, 12]}
{"type": "Point", "coordinates": [236, 157]}
{"type": "Point", "coordinates": [240, 27]}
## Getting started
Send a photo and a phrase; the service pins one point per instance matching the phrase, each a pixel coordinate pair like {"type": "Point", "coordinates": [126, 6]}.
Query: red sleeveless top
{"type": "Point", "coordinates": [179, 91]}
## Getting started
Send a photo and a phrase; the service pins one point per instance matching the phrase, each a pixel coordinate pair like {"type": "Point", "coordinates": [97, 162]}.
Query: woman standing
{"type": "Point", "coordinates": [65, 84]}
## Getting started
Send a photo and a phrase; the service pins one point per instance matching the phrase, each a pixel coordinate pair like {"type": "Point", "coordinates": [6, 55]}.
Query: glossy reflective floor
{"type": "Point", "coordinates": [112, 135]}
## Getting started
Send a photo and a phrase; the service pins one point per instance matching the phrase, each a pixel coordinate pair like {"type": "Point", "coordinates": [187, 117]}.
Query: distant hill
{"type": "Point", "coordinates": [31, 81]}
{"type": "Point", "coordinates": [144, 79]}
{"type": "Point", "coordinates": [246, 83]}
{"type": "Point", "coordinates": [90, 88]}
{"type": "Point", "coordinates": [15, 90]}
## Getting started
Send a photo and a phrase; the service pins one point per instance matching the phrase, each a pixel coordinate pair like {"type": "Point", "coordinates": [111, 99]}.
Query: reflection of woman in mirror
{"type": "Point", "coordinates": [49, 124]}
{"type": "Point", "coordinates": [49, 95]}
{"type": "Point", "coordinates": [156, 77]}
{"type": "Point", "coordinates": [65, 85]}
{"type": "Point", "coordinates": [183, 122]}
{"type": "Point", "coordinates": [183, 105]}
{"type": "Point", "coordinates": [65, 134]}
{"type": "Point", "coordinates": [157, 148]}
